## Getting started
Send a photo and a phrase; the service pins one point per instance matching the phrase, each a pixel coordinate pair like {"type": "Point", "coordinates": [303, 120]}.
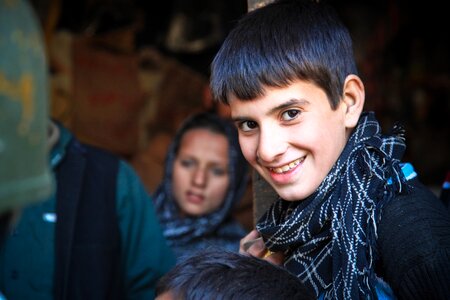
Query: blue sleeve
{"type": "Point", "coordinates": [146, 255]}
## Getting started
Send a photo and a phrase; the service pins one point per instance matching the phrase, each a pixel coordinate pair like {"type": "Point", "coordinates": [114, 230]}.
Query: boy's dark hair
{"type": "Point", "coordinates": [219, 274]}
{"type": "Point", "coordinates": [281, 42]}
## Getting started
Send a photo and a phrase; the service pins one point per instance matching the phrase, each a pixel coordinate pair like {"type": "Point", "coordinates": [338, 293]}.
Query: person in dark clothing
{"type": "Point", "coordinates": [221, 274]}
{"type": "Point", "coordinates": [352, 220]}
{"type": "Point", "coordinates": [97, 237]}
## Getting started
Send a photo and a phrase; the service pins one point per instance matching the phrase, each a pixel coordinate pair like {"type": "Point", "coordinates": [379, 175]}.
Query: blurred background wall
{"type": "Point", "coordinates": [125, 73]}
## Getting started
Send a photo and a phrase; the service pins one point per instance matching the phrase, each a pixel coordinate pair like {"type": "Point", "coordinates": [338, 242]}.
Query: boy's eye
{"type": "Point", "coordinates": [247, 125]}
{"type": "Point", "coordinates": [290, 114]}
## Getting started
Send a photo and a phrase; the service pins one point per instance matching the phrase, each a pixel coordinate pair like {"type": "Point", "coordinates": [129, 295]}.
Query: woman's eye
{"type": "Point", "coordinates": [187, 163]}
{"type": "Point", "coordinates": [218, 171]}
{"type": "Point", "coordinates": [247, 125]}
{"type": "Point", "coordinates": [290, 114]}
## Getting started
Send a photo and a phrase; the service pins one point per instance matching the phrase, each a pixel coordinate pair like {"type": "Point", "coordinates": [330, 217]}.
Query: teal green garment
{"type": "Point", "coordinates": [27, 258]}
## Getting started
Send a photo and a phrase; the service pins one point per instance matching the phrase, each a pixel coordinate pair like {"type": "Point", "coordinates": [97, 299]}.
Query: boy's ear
{"type": "Point", "coordinates": [353, 99]}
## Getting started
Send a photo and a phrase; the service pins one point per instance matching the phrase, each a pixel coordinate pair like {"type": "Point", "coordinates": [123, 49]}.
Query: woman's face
{"type": "Point", "coordinates": [200, 174]}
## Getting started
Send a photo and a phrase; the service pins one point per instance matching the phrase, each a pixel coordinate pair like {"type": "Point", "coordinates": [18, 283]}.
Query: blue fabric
{"type": "Point", "coordinates": [382, 289]}
{"type": "Point", "coordinates": [407, 170]}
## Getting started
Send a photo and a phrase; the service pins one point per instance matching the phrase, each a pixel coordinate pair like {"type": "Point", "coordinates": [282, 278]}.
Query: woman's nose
{"type": "Point", "coordinates": [199, 177]}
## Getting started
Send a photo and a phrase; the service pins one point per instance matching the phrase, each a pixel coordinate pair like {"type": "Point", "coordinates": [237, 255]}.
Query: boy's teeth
{"type": "Point", "coordinates": [287, 167]}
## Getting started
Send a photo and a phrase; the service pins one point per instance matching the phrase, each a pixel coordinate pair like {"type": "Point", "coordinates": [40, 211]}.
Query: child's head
{"type": "Point", "coordinates": [201, 167]}
{"type": "Point", "coordinates": [217, 274]}
{"type": "Point", "coordinates": [288, 73]}
{"type": "Point", "coordinates": [284, 41]}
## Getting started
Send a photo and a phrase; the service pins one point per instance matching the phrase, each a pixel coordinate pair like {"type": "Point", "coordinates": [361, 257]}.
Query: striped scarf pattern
{"type": "Point", "coordinates": [330, 238]}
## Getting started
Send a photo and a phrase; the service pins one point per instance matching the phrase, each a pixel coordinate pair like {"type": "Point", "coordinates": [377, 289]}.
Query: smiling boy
{"type": "Point", "coordinates": [351, 221]}
{"type": "Point", "coordinates": [293, 137]}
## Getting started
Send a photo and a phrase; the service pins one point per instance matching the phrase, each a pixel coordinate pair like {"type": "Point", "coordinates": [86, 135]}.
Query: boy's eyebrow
{"type": "Point", "coordinates": [287, 104]}
{"type": "Point", "coordinates": [239, 119]}
{"type": "Point", "coordinates": [275, 109]}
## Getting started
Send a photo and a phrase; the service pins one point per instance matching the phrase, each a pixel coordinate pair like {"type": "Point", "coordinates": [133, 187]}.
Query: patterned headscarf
{"type": "Point", "coordinates": [330, 237]}
{"type": "Point", "coordinates": [187, 234]}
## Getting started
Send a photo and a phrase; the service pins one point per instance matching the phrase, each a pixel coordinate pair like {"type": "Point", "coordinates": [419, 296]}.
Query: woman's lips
{"type": "Point", "coordinates": [194, 198]}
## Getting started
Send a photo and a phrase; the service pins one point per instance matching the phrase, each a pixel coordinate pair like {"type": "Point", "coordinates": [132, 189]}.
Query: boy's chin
{"type": "Point", "coordinates": [291, 198]}
{"type": "Point", "coordinates": [294, 191]}
{"type": "Point", "coordinates": [291, 193]}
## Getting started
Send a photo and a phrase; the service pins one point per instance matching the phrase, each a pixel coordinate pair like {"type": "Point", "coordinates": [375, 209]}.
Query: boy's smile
{"type": "Point", "coordinates": [291, 136]}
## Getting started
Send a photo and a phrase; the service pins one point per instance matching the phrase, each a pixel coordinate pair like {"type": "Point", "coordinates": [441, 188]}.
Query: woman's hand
{"type": "Point", "coordinates": [253, 244]}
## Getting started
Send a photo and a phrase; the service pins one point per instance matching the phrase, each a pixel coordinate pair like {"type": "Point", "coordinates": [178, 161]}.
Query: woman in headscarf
{"type": "Point", "coordinates": [205, 176]}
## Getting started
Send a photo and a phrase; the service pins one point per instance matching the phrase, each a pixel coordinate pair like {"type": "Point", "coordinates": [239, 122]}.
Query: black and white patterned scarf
{"type": "Point", "coordinates": [330, 237]}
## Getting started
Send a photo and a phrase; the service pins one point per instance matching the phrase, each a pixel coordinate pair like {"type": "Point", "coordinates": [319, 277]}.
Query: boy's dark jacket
{"type": "Point", "coordinates": [411, 269]}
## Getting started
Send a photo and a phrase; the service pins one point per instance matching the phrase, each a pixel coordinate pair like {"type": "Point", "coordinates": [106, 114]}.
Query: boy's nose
{"type": "Point", "coordinates": [271, 145]}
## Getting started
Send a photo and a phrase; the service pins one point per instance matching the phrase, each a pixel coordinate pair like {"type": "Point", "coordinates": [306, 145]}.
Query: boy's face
{"type": "Point", "coordinates": [291, 136]}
